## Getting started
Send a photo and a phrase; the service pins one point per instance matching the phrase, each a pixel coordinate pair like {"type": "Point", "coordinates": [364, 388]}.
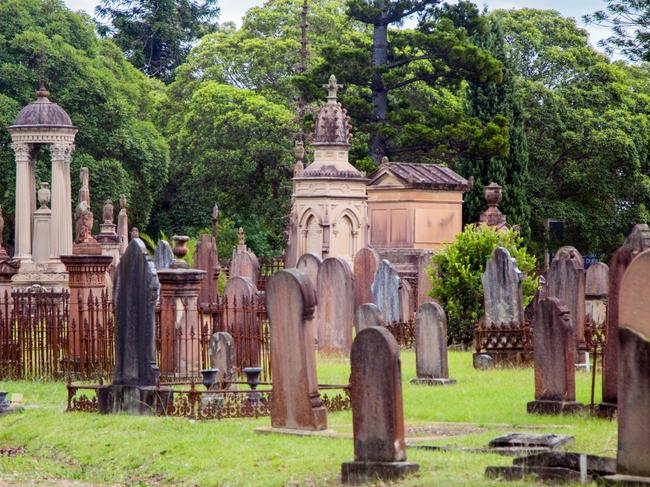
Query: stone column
{"type": "Point", "coordinates": [180, 329]}
{"type": "Point", "coordinates": [61, 202]}
{"type": "Point", "coordinates": [24, 197]}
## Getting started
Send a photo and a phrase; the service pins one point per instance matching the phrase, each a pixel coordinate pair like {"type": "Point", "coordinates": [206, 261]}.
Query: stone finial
{"type": "Point", "coordinates": [242, 240]}
{"type": "Point", "coordinates": [493, 217]}
{"type": "Point", "coordinates": [107, 212]}
{"type": "Point", "coordinates": [84, 191]}
{"type": "Point", "coordinates": [83, 224]}
{"type": "Point", "coordinates": [44, 195]}
{"type": "Point", "coordinates": [332, 88]}
{"type": "Point", "coordinates": [332, 125]}
{"type": "Point", "coordinates": [122, 202]}
{"type": "Point", "coordinates": [299, 154]}
{"type": "Point", "coordinates": [180, 251]}
{"type": "Point", "coordinates": [384, 160]}
{"type": "Point", "coordinates": [135, 233]}
{"type": "Point", "coordinates": [215, 220]}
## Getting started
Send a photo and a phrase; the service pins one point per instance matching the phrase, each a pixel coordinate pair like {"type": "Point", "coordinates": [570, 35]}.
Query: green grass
{"type": "Point", "coordinates": [129, 450]}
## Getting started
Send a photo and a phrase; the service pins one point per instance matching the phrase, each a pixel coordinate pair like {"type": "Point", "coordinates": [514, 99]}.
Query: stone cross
{"type": "Point", "coordinates": [290, 304]}
{"type": "Point", "coordinates": [555, 348]}
{"type": "Point", "coordinates": [309, 264]}
{"type": "Point", "coordinates": [385, 291]}
{"type": "Point", "coordinates": [377, 409]}
{"type": "Point", "coordinates": [335, 311]}
{"type": "Point", "coordinates": [367, 315]}
{"type": "Point", "coordinates": [366, 262]}
{"type": "Point", "coordinates": [431, 346]}
{"type": "Point", "coordinates": [503, 294]}
{"type": "Point", "coordinates": [163, 256]}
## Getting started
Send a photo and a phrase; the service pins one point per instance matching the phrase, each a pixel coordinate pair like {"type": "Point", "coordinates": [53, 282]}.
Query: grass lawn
{"type": "Point", "coordinates": [89, 449]}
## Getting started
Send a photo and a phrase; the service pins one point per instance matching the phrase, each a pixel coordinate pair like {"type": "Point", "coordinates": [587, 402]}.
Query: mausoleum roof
{"type": "Point", "coordinates": [43, 113]}
{"type": "Point", "coordinates": [424, 176]}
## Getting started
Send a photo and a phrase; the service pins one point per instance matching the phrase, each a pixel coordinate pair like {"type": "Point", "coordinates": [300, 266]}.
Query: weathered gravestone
{"type": "Point", "coordinates": [242, 320]}
{"type": "Point", "coordinates": [222, 357]}
{"type": "Point", "coordinates": [431, 346]}
{"type": "Point", "coordinates": [290, 304]}
{"type": "Point", "coordinates": [244, 263]}
{"type": "Point", "coordinates": [163, 256]}
{"type": "Point", "coordinates": [309, 264]}
{"type": "Point", "coordinates": [632, 465]}
{"type": "Point", "coordinates": [206, 259]}
{"type": "Point", "coordinates": [367, 315]}
{"type": "Point", "coordinates": [135, 373]}
{"type": "Point", "coordinates": [385, 291]}
{"type": "Point", "coordinates": [407, 300]}
{"type": "Point", "coordinates": [503, 294]}
{"type": "Point", "coordinates": [335, 311]}
{"type": "Point", "coordinates": [637, 241]}
{"type": "Point", "coordinates": [377, 410]}
{"type": "Point", "coordinates": [425, 285]}
{"type": "Point", "coordinates": [366, 262]}
{"type": "Point", "coordinates": [555, 347]}
{"type": "Point", "coordinates": [596, 292]}
{"type": "Point", "coordinates": [566, 281]}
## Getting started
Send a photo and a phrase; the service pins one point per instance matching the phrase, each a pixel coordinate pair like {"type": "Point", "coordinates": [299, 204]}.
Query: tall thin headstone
{"type": "Point", "coordinates": [367, 315]}
{"type": "Point", "coordinates": [377, 410]}
{"type": "Point", "coordinates": [632, 465]}
{"type": "Point", "coordinates": [566, 281]}
{"type": "Point", "coordinates": [309, 264]}
{"type": "Point", "coordinates": [503, 294]}
{"type": "Point", "coordinates": [206, 259]}
{"type": "Point", "coordinates": [385, 291]}
{"type": "Point", "coordinates": [163, 256]}
{"type": "Point", "coordinates": [290, 304]}
{"type": "Point", "coordinates": [335, 311]}
{"type": "Point", "coordinates": [596, 292]}
{"type": "Point", "coordinates": [407, 300]}
{"type": "Point", "coordinates": [366, 262]}
{"type": "Point", "coordinates": [431, 346]}
{"type": "Point", "coordinates": [555, 348]}
{"type": "Point", "coordinates": [240, 310]}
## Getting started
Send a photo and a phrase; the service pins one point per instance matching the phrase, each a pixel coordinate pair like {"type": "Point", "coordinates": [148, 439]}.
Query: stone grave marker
{"type": "Point", "coordinates": [163, 256]}
{"type": "Point", "coordinates": [309, 264]}
{"type": "Point", "coordinates": [377, 410]}
{"type": "Point", "coordinates": [240, 310]}
{"type": "Point", "coordinates": [503, 294]}
{"type": "Point", "coordinates": [244, 263]}
{"type": "Point", "coordinates": [566, 281]}
{"type": "Point", "coordinates": [431, 346]}
{"type": "Point", "coordinates": [555, 348]}
{"type": "Point", "coordinates": [366, 262]}
{"type": "Point", "coordinates": [222, 357]}
{"type": "Point", "coordinates": [425, 285]}
{"type": "Point", "coordinates": [290, 304]}
{"type": "Point", "coordinates": [206, 259]}
{"type": "Point", "coordinates": [367, 315]}
{"type": "Point", "coordinates": [335, 311]}
{"type": "Point", "coordinates": [407, 299]}
{"type": "Point", "coordinates": [596, 292]}
{"type": "Point", "coordinates": [385, 291]}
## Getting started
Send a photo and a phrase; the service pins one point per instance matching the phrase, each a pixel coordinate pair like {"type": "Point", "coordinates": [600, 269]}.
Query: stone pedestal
{"type": "Point", "coordinates": [180, 330]}
{"type": "Point", "coordinates": [554, 407]}
{"type": "Point", "coordinates": [142, 401]}
{"type": "Point", "coordinates": [87, 284]}
{"type": "Point", "coordinates": [361, 472]}
{"type": "Point", "coordinates": [41, 240]}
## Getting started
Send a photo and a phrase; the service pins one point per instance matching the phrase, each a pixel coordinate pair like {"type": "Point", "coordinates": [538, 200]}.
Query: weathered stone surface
{"type": "Point", "coordinates": [377, 409]}
{"type": "Point", "coordinates": [367, 315]}
{"type": "Point", "coordinates": [163, 255]}
{"type": "Point", "coordinates": [624, 481]}
{"type": "Point", "coordinates": [548, 474]}
{"type": "Point", "coordinates": [135, 294]}
{"type": "Point", "coordinates": [502, 290]}
{"type": "Point", "coordinates": [425, 286]}
{"type": "Point", "coordinates": [385, 291]}
{"type": "Point", "coordinates": [222, 357]}
{"type": "Point", "coordinates": [309, 264]}
{"type": "Point", "coordinates": [637, 241]}
{"type": "Point", "coordinates": [290, 303]}
{"type": "Point", "coordinates": [554, 345]}
{"type": "Point", "coordinates": [597, 280]}
{"type": "Point", "coordinates": [593, 464]}
{"type": "Point", "coordinates": [483, 361]}
{"type": "Point", "coordinates": [431, 342]}
{"type": "Point", "coordinates": [407, 300]}
{"type": "Point", "coordinates": [244, 263]}
{"type": "Point", "coordinates": [366, 262]}
{"type": "Point", "coordinates": [566, 281]}
{"type": "Point", "coordinates": [240, 298]}
{"type": "Point", "coordinates": [634, 364]}
{"type": "Point", "coordinates": [519, 440]}
{"type": "Point", "coordinates": [335, 311]}
{"type": "Point", "coordinates": [207, 260]}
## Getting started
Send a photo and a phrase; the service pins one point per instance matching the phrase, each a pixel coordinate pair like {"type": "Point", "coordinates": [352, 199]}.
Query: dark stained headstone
{"type": "Point", "coordinates": [554, 345]}
{"type": "Point", "coordinates": [335, 311]}
{"type": "Point", "coordinates": [206, 259]}
{"type": "Point", "coordinates": [431, 346]}
{"type": "Point", "coordinates": [566, 281]}
{"type": "Point", "coordinates": [377, 409]}
{"type": "Point", "coordinates": [367, 315]}
{"type": "Point", "coordinates": [635, 243]}
{"type": "Point", "coordinates": [241, 318]}
{"type": "Point", "coordinates": [366, 262]}
{"type": "Point", "coordinates": [163, 255]}
{"type": "Point", "coordinates": [290, 304]}
{"type": "Point", "coordinates": [309, 264]}
{"type": "Point", "coordinates": [385, 291]}
{"type": "Point", "coordinates": [222, 357]}
{"type": "Point", "coordinates": [503, 290]}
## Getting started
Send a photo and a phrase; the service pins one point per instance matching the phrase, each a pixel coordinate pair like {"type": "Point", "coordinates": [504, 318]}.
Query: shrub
{"type": "Point", "coordinates": [457, 270]}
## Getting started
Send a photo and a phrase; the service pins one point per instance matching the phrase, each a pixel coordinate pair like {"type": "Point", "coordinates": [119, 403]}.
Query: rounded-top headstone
{"type": "Point", "coordinates": [503, 289]}
{"type": "Point", "coordinates": [385, 291]}
{"type": "Point", "coordinates": [635, 295]}
{"type": "Point", "coordinates": [368, 314]}
{"type": "Point", "coordinates": [431, 341]}
{"type": "Point", "coordinates": [335, 313]}
{"type": "Point", "coordinates": [309, 264]}
{"type": "Point", "coordinates": [597, 280]}
{"type": "Point", "coordinates": [366, 262]}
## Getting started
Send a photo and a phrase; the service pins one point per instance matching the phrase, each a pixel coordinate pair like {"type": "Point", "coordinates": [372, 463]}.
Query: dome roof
{"type": "Point", "coordinates": [332, 122]}
{"type": "Point", "coordinates": [43, 113]}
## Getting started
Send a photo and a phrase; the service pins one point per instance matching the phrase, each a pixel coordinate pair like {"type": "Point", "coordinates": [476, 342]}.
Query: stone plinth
{"type": "Point", "coordinates": [180, 330]}
{"type": "Point", "coordinates": [290, 303]}
{"type": "Point", "coordinates": [141, 401]}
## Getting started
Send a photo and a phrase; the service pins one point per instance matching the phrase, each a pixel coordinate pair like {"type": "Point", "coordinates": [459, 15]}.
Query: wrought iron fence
{"type": "Point", "coordinates": [404, 332]}
{"type": "Point", "coordinates": [503, 337]}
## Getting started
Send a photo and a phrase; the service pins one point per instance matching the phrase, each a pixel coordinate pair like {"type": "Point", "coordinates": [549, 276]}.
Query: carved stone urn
{"type": "Point", "coordinates": [44, 195]}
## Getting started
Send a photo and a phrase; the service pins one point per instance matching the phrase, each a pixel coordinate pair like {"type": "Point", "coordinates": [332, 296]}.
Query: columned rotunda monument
{"type": "Point", "coordinates": [329, 215]}
{"type": "Point", "coordinates": [42, 123]}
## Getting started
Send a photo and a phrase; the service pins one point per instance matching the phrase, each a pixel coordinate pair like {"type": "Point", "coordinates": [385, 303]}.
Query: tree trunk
{"type": "Point", "coordinates": [379, 92]}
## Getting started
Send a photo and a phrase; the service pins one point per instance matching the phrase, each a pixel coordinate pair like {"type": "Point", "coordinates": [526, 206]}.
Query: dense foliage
{"type": "Point", "coordinates": [106, 97]}
{"type": "Point", "coordinates": [457, 271]}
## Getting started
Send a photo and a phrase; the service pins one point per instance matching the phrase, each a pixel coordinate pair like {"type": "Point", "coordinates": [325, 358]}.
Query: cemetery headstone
{"type": "Point", "coordinates": [335, 311]}
{"type": "Point", "coordinates": [503, 290]}
{"type": "Point", "coordinates": [425, 285]}
{"type": "Point", "coordinates": [222, 357]}
{"type": "Point", "coordinates": [555, 348]}
{"type": "Point", "coordinates": [207, 260]}
{"type": "Point", "coordinates": [407, 299]}
{"type": "Point", "coordinates": [596, 292]}
{"type": "Point", "coordinates": [163, 255]}
{"type": "Point", "coordinates": [431, 346]}
{"type": "Point", "coordinates": [367, 315]}
{"type": "Point", "coordinates": [309, 264]}
{"type": "Point", "coordinates": [240, 310]}
{"type": "Point", "coordinates": [366, 262]}
{"type": "Point", "coordinates": [290, 304]}
{"type": "Point", "coordinates": [377, 410]}
{"type": "Point", "coordinates": [385, 291]}
{"type": "Point", "coordinates": [244, 263]}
